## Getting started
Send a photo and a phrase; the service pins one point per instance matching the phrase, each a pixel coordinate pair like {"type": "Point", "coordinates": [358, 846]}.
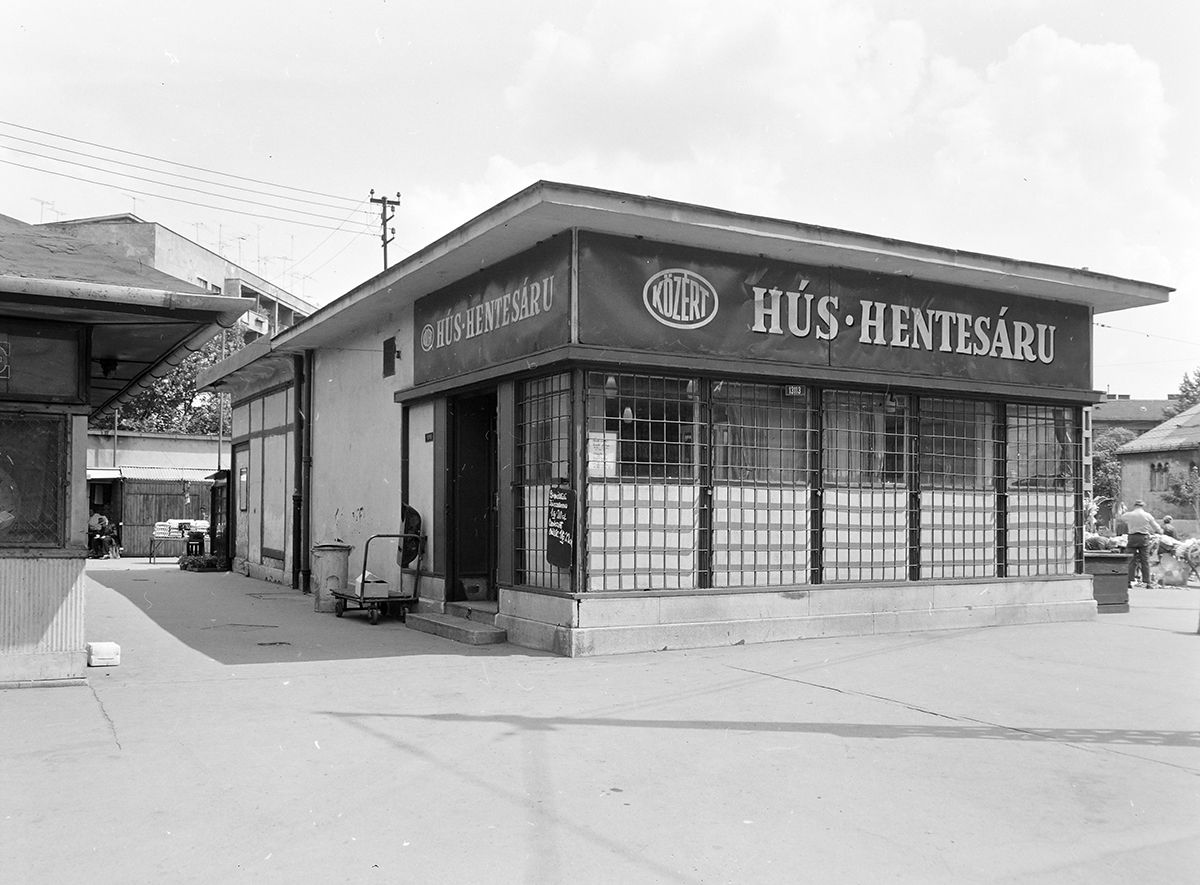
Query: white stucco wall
{"type": "Point", "coordinates": [356, 487]}
{"type": "Point", "coordinates": [155, 450]}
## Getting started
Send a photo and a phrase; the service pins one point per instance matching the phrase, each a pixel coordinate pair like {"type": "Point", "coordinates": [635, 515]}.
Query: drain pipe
{"type": "Point", "coordinates": [298, 424]}
{"type": "Point", "coordinates": [306, 501]}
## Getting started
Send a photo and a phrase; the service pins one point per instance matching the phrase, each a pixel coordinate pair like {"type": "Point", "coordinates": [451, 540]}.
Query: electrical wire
{"type": "Point", "coordinates": [248, 190]}
{"type": "Point", "coordinates": [1144, 334]}
{"type": "Point", "coordinates": [181, 200]}
{"type": "Point", "coordinates": [291, 267]}
{"type": "Point", "coordinates": [175, 163]}
{"type": "Point", "coordinates": [183, 187]}
{"type": "Point", "coordinates": [349, 243]}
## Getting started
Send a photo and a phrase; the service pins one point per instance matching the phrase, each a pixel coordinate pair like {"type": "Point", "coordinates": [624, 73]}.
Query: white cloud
{"type": "Point", "coordinates": [808, 70]}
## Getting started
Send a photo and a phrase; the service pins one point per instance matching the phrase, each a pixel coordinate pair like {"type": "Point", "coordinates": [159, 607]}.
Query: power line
{"type": "Point", "coordinates": [1145, 334]}
{"type": "Point", "coordinates": [177, 199]}
{"type": "Point", "coordinates": [176, 163]}
{"type": "Point", "coordinates": [328, 237]}
{"type": "Point", "coordinates": [183, 187]}
{"type": "Point", "coordinates": [64, 150]}
{"type": "Point", "coordinates": [349, 243]}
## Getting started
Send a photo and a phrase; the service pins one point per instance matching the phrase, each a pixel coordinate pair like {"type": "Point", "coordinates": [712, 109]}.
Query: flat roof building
{"type": "Point", "coordinates": [631, 424]}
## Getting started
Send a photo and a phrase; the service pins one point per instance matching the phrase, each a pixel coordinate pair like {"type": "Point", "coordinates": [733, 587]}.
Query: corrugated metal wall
{"type": "Point", "coordinates": [41, 619]}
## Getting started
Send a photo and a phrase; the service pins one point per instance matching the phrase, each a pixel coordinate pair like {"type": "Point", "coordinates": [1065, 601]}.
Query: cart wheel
{"type": "Point", "coordinates": [374, 615]}
{"type": "Point", "coordinates": [339, 607]}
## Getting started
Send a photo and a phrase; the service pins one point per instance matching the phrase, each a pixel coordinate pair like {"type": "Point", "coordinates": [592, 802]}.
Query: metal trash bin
{"type": "Point", "coordinates": [330, 573]}
{"type": "Point", "coordinates": [195, 544]}
{"type": "Point", "coordinates": [1110, 579]}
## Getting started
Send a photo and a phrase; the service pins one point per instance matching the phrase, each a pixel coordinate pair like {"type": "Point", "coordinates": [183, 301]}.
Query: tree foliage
{"type": "Point", "coordinates": [171, 404]}
{"type": "Point", "coordinates": [1106, 466]}
{"type": "Point", "coordinates": [1189, 394]}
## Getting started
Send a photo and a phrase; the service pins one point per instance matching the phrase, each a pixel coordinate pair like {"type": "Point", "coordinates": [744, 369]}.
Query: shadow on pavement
{"type": "Point", "coordinates": [873, 731]}
{"type": "Point", "coordinates": [238, 620]}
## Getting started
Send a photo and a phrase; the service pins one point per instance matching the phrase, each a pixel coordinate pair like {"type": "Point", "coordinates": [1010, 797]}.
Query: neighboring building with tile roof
{"type": "Point", "coordinates": [1149, 462]}
{"type": "Point", "coordinates": [1138, 415]}
{"type": "Point", "coordinates": [270, 309]}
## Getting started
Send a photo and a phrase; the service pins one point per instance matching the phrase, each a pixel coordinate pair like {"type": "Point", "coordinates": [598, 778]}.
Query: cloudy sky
{"type": "Point", "coordinates": [1063, 131]}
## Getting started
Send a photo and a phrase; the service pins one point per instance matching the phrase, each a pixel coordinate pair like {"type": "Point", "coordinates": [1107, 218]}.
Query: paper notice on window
{"type": "Point", "coordinates": [602, 454]}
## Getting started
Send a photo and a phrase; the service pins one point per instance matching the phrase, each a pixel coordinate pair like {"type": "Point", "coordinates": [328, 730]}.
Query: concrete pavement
{"type": "Point", "coordinates": [246, 738]}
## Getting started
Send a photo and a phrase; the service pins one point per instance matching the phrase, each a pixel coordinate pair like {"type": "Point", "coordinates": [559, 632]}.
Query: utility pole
{"type": "Point", "coordinates": [384, 218]}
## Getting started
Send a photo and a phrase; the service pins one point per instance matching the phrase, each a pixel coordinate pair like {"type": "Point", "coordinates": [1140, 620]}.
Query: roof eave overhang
{"type": "Point", "coordinates": [548, 208]}
{"type": "Point", "coordinates": [66, 300]}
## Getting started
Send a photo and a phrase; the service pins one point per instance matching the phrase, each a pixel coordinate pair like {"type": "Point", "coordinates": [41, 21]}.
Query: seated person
{"type": "Point", "coordinates": [97, 526]}
{"type": "Point", "coordinates": [109, 545]}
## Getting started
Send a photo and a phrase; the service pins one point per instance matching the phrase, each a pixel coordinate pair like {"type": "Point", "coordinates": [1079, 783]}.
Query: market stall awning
{"type": "Point", "coordinates": [185, 474]}
{"type": "Point", "coordinates": [142, 322]}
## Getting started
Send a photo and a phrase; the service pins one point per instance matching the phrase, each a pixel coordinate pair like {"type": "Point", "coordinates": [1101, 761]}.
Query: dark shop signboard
{"type": "Point", "coordinates": [648, 296]}
{"type": "Point", "coordinates": [513, 309]}
{"type": "Point", "coordinates": [560, 526]}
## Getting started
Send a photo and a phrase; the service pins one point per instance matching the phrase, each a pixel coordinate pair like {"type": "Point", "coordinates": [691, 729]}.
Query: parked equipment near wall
{"type": "Point", "coordinates": [374, 596]}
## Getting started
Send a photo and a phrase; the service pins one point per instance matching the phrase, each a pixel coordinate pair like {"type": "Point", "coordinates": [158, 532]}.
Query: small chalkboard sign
{"type": "Point", "coordinates": [560, 527]}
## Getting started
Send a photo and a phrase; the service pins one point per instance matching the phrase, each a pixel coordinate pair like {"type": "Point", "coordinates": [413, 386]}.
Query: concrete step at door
{"type": "Point", "coordinates": [459, 629]}
{"type": "Point", "coordinates": [482, 612]}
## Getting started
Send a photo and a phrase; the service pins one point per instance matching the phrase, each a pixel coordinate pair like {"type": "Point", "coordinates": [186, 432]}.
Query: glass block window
{"type": "Point", "coordinates": [761, 456]}
{"type": "Point", "coordinates": [543, 460]}
{"type": "Point", "coordinates": [1043, 454]}
{"type": "Point", "coordinates": [867, 444]}
{"type": "Point", "coordinates": [646, 450]}
{"type": "Point", "coordinates": [958, 494]}
{"type": "Point", "coordinates": [33, 480]}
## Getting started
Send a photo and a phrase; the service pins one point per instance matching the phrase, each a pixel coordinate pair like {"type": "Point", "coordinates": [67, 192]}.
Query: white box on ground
{"type": "Point", "coordinates": [103, 654]}
{"type": "Point", "coordinates": [369, 586]}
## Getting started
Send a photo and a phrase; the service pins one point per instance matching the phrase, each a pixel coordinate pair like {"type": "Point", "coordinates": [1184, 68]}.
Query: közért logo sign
{"type": "Point", "coordinates": [681, 299]}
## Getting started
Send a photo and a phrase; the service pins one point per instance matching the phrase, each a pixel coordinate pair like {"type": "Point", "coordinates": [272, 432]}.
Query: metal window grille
{"type": "Point", "coordinates": [957, 482]}
{"type": "Point", "coordinates": [866, 450]}
{"type": "Point", "coordinates": [647, 450]}
{"type": "Point", "coordinates": [1044, 490]}
{"type": "Point", "coordinates": [543, 459]}
{"type": "Point", "coordinates": [761, 455]}
{"type": "Point", "coordinates": [33, 479]}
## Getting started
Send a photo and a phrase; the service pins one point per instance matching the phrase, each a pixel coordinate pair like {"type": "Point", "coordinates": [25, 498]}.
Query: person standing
{"type": "Point", "coordinates": [1140, 526]}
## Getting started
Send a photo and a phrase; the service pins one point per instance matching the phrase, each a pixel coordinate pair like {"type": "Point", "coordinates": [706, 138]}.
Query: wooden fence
{"type": "Point", "coordinates": [147, 501]}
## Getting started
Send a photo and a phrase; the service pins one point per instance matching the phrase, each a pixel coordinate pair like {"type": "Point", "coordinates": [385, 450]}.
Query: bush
{"type": "Point", "coordinates": [207, 562]}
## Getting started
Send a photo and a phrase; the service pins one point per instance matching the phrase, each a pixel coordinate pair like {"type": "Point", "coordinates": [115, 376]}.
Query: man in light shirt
{"type": "Point", "coordinates": [1140, 526]}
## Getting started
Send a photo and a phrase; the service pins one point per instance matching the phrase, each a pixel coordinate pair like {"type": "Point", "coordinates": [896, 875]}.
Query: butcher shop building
{"type": "Point", "coordinates": [632, 424]}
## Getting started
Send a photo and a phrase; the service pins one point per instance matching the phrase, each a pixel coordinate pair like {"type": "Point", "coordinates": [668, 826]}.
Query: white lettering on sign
{"type": "Point", "coordinates": [523, 302]}
{"type": "Point", "coordinates": [883, 324]}
{"type": "Point", "coordinates": [681, 299]}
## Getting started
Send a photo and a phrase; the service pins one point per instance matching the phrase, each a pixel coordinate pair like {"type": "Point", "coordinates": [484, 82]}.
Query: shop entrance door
{"type": "Point", "coordinates": [473, 497]}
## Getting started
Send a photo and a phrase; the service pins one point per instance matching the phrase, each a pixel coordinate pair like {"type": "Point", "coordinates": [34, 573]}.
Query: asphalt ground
{"type": "Point", "coordinates": [246, 738]}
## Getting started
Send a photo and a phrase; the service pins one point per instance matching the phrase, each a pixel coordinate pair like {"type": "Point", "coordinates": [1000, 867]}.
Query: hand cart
{"type": "Point", "coordinates": [410, 553]}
